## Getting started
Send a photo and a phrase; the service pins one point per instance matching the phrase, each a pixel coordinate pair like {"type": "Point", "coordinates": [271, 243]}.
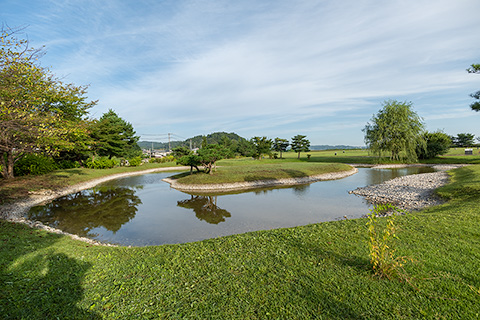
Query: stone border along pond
{"type": "Point", "coordinates": [411, 192]}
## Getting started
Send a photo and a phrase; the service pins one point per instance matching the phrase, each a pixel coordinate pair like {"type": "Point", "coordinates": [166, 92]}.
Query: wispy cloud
{"type": "Point", "coordinates": [257, 67]}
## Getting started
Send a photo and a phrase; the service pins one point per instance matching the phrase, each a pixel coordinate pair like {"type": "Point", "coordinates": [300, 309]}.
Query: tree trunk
{"type": "Point", "coordinates": [299, 155]}
{"type": "Point", "coordinates": [7, 165]}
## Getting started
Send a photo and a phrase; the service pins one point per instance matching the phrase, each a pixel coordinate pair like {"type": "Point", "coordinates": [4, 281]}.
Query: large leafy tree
{"type": "Point", "coordinates": [38, 112]}
{"type": "Point", "coordinates": [475, 68]}
{"type": "Point", "coordinates": [262, 145]}
{"type": "Point", "coordinates": [397, 130]}
{"type": "Point", "coordinates": [114, 137]}
{"type": "Point", "coordinates": [300, 143]}
{"type": "Point", "coordinates": [437, 143]}
{"type": "Point", "coordinates": [280, 145]}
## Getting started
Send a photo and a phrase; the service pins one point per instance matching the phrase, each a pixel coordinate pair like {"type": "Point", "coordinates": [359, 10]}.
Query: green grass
{"type": "Point", "coordinates": [318, 271]}
{"type": "Point", "coordinates": [259, 170]}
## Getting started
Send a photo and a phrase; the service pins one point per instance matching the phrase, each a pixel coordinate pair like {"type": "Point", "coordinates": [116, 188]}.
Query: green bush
{"type": "Point", "coordinates": [437, 143]}
{"type": "Point", "coordinates": [67, 164]}
{"type": "Point", "coordinates": [135, 162]}
{"type": "Point", "coordinates": [162, 160]}
{"type": "Point", "coordinates": [100, 163]}
{"type": "Point", "coordinates": [34, 164]}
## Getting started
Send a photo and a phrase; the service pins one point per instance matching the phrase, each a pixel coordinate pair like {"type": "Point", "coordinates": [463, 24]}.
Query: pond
{"type": "Point", "coordinates": [144, 210]}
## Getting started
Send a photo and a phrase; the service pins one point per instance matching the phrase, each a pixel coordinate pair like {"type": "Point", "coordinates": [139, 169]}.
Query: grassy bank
{"type": "Point", "coordinates": [454, 156]}
{"type": "Point", "coordinates": [231, 171]}
{"type": "Point", "coordinates": [21, 186]}
{"type": "Point", "coordinates": [319, 271]}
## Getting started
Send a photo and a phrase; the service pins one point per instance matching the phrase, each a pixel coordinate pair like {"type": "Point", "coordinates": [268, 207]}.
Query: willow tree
{"type": "Point", "coordinates": [38, 112]}
{"type": "Point", "coordinates": [395, 130]}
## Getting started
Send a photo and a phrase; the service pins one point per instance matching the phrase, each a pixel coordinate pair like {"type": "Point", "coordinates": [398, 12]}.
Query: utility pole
{"type": "Point", "coordinates": [169, 142]}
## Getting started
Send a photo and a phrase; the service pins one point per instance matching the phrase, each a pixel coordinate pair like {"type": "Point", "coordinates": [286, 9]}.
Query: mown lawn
{"type": "Point", "coordinates": [357, 156]}
{"type": "Point", "coordinates": [319, 271]}
{"type": "Point", "coordinates": [259, 170]}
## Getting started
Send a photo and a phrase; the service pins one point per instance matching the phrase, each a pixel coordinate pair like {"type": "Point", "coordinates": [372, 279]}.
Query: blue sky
{"type": "Point", "coordinates": [262, 68]}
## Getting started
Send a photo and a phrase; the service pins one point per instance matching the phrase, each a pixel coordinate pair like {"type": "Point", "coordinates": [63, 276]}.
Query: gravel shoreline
{"type": "Point", "coordinates": [410, 193]}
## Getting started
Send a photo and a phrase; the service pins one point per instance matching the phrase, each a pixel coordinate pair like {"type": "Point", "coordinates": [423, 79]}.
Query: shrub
{"type": "Point", "coordinates": [67, 164]}
{"type": "Point", "coordinates": [437, 143]}
{"type": "Point", "coordinates": [96, 162]}
{"type": "Point", "coordinates": [135, 162]}
{"type": "Point", "coordinates": [34, 164]}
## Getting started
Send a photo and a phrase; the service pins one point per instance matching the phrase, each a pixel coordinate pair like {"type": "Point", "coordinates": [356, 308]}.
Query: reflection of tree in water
{"type": "Point", "coordinates": [297, 189]}
{"type": "Point", "coordinates": [81, 212]}
{"type": "Point", "coordinates": [205, 208]}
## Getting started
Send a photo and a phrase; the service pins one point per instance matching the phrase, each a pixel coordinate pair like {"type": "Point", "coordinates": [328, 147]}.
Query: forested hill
{"type": "Point", "coordinates": [212, 138]}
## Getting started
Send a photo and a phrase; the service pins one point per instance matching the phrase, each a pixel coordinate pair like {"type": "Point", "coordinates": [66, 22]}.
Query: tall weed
{"type": "Point", "coordinates": [380, 240]}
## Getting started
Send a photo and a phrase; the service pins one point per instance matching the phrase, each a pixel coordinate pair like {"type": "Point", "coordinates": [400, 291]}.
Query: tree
{"type": "Point", "coordinates": [179, 152]}
{"type": "Point", "coordinates": [114, 137]}
{"type": "Point", "coordinates": [397, 130]}
{"type": "Point", "coordinates": [210, 154]}
{"type": "Point", "coordinates": [300, 144]}
{"type": "Point", "coordinates": [280, 145]}
{"type": "Point", "coordinates": [262, 146]}
{"type": "Point", "coordinates": [475, 68]}
{"type": "Point", "coordinates": [191, 160]}
{"type": "Point", "coordinates": [38, 112]}
{"type": "Point", "coordinates": [464, 140]}
{"type": "Point", "coordinates": [437, 143]}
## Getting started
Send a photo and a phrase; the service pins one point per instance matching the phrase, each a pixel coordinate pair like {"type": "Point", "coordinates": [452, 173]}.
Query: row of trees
{"type": "Point", "coordinates": [40, 114]}
{"type": "Point", "coordinates": [209, 154]}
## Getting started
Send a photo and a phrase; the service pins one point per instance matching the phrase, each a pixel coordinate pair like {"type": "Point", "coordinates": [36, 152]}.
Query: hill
{"type": "Point", "coordinates": [212, 138]}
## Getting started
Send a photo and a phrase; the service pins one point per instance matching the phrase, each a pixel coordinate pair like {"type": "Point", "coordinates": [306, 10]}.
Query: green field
{"type": "Point", "coordinates": [230, 171]}
{"type": "Point", "coordinates": [357, 156]}
{"type": "Point", "coordinates": [319, 271]}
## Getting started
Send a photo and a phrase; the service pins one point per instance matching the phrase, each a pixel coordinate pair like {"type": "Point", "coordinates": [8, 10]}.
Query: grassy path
{"type": "Point", "coordinates": [319, 271]}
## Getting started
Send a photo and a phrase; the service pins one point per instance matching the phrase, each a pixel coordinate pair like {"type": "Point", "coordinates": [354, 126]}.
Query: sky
{"type": "Point", "coordinates": [261, 68]}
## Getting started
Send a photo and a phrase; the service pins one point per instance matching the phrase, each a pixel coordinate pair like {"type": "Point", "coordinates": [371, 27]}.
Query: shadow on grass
{"type": "Point", "coordinates": [37, 282]}
{"type": "Point", "coordinates": [295, 173]}
{"type": "Point", "coordinates": [320, 292]}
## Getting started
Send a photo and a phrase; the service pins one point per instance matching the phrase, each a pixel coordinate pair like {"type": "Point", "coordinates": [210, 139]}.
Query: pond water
{"type": "Point", "coordinates": [144, 210]}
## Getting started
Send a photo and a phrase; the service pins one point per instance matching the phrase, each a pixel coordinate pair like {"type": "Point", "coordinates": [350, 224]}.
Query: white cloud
{"type": "Point", "coordinates": [257, 66]}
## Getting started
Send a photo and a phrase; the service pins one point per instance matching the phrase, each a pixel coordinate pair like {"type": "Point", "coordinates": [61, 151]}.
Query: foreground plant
{"type": "Point", "coordinates": [382, 255]}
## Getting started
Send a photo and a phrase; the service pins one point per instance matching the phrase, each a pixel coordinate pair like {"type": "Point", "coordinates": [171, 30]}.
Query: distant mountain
{"type": "Point", "coordinates": [212, 138]}
{"type": "Point", "coordinates": [218, 137]}
{"type": "Point", "coordinates": [335, 147]}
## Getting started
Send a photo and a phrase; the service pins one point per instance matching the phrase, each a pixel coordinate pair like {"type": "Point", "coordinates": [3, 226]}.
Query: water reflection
{"type": "Point", "coordinates": [205, 208]}
{"type": "Point", "coordinates": [378, 176]}
{"type": "Point", "coordinates": [144, 210]}
{"type": "Point", "coordinates": [79, 213]}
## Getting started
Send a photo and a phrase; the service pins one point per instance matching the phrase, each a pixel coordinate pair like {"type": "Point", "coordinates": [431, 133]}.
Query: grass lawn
{"type": "Point", "coordinates": [253, 170]}
{"type": "Point", "coordinates": [319, 271]}
{"type": "Point", "coordinates": [357, 156]}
